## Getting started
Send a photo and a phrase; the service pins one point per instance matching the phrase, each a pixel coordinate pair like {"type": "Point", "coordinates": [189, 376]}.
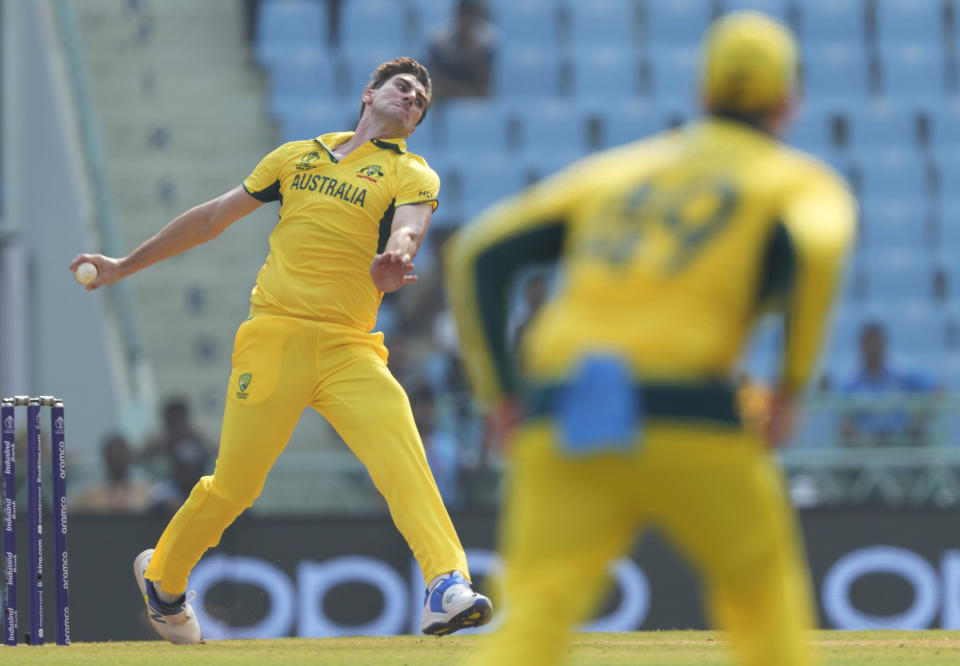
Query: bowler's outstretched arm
{"type": "Point", "coordinates": [197, 225]}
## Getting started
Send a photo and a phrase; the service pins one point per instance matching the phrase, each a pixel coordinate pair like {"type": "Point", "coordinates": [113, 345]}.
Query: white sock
{"type": "Point", "coordinates": [165, 597]}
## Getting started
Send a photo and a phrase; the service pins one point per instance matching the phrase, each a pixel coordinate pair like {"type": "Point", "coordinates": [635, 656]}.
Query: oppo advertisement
{"type": "Point", "coordinates": [320, 577]}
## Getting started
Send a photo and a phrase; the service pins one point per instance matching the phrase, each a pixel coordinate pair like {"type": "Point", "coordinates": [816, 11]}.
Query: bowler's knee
{"type": "Point", "coordinates": [231, 498]}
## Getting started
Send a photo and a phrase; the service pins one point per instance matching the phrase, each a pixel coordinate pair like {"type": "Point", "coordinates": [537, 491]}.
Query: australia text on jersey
{"type": "Point", "coordinates": [330, 187]}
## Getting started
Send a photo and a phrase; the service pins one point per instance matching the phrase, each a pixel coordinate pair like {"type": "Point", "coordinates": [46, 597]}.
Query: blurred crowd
{"type": "Point", "coordinates": [153, 478]}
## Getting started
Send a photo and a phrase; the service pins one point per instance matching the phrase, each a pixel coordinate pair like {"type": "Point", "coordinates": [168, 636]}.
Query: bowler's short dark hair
{"type": "Point", "coordinates": [404, 65]}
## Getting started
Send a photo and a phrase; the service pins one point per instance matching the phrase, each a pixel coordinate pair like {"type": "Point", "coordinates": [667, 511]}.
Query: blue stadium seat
{"type": "Point", "coordinates": [677, 23]}
{"type": "Point", "coordinates": [914, 336]}
{"type": "Point", "coordinates": [830, 21]}
{"type": "Point", "coordinates": [311, 120]}
{"type": "Point", "coordinates": [897, 277]}
{"type": "Point", "coordinates": [531, 23]}
{"type": "Point", "coordinates": [430, 14]}
{"type": "Point", "coordinates": [359, 64]}
{"type": "Point", "coordinates": [604, 22]}
{"type": "Point", "coordinates": [834, 71]}
{"type": "Point", "coordinates": [527, 72]}
{"type": "Point", "coordinates": [950, 233]}
{"type": "Point", "coordinates": [475, 127]}
{"type": "Point", "coordinates": [945, 131]}
{"type": "Point", "coordinates": [895, 173]}
{"type": "Point", "coordinates": [289, 25]}
{"type": "Point", "coordinates": [674, 74]}
{"type": "Point", "coordinates": [884, 124]}
{"type": "Point", "coordinates": [307, 76]}
{"type": "Point", "coordinates": [605, 73]}
{"type": "Point", "coordinates": [914, 71]}
{"type": "Point", "coordinates": [776, 8]}
{"type": "Point", "coordinates": [552, 131]}
{"type": "Point", "coordinates": [810, 128]}
{"type": "Point", "coordinates": [489, 180]}
{"type": "Point", "coordinates": [631, 121]}
{"type": "Point", "coordinates": [373, 23]}
{"type": "Point", "coordinates": [887, 224]}
{"type": "Point", "coordinates": [910, 21]}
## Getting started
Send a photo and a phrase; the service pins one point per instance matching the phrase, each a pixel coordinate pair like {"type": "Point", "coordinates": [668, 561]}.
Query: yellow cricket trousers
{"type": "Point", "coordinates": [281, 365]}
{"type": "Point", "coordinates": [715, 494]}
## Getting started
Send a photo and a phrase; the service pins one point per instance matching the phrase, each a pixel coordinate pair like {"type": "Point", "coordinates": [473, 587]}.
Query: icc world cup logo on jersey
{"type": "Point", "coordinates": [308, 161]}
{"type": "Point", "coordinates": [368, 172]}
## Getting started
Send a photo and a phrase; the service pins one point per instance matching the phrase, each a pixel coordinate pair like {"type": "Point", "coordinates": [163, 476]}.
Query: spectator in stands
{"type": "Point", "coordinates": [119, 492]}
{"type": "Point", "coordinates": [461, 54]}
{"type": "Point", "coordinates": [185, 452]}
{"type": "Point", "coordinates": [882, 423]}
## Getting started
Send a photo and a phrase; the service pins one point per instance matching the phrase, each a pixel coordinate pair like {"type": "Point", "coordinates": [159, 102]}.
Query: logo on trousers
{"type": "Point", "coordinates": [244, 381]}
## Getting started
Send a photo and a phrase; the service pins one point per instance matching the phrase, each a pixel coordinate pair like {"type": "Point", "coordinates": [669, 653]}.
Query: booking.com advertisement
{"type": "Point", "coordinates": [277, 577]}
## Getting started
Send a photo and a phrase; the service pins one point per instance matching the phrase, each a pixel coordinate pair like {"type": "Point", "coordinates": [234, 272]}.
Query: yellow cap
{"type": "Point", "coordinates": [750, 63]}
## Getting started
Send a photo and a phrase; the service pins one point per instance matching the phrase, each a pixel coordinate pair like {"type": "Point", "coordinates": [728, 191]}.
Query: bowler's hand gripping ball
{"type": "Point", "coordinates": [85, 273]}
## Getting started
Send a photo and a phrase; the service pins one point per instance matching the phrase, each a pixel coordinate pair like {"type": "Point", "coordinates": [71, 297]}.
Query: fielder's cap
{"type": "Point", "coordinates": [750, 63]}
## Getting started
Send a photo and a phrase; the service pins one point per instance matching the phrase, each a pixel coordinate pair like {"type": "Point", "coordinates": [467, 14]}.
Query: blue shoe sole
{"type": "Point", "coordinates": [475, 616]}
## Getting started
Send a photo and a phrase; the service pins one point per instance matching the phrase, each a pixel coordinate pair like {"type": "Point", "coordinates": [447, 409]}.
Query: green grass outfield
{"type": "Point", "coordinates": [700, 648]}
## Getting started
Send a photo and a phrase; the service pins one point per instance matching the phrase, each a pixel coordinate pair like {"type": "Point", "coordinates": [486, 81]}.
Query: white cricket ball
{"type": "Point", "coordinates": [85, 273]}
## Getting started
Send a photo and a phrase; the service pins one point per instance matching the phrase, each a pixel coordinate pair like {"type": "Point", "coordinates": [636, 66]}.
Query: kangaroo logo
{"type": "Point", "coordinates": [368, 172]}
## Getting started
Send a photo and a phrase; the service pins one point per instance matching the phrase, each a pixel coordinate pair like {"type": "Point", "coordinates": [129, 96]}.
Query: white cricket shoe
{"type": "Point", "coordinates": [176, 622]}
{"type": "Point", "coordinates": [451, 605]}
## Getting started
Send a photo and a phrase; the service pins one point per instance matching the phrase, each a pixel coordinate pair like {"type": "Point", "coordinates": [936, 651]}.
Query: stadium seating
{"type": "Point", "coordinates": [531, 23]}
{"type": "Point", "coordinates": [475, 127]}
{"type": "Point", "coordinates": [832, 22]}
{"type": "Point", "coordinates": [289, 25]}
{"type": "Point", "coordinates": [605, 73]}
{"type": "Point", "coordinates": [488, 180]}
{"type": "Point", "coordinates": [834, 71]}
{"type": "Point", "coordinates": [676, 24]}
{"type": "Point", "coordinates": [674, 77]}
{"type": "Point", "coordinates": [776, 8]}
{"type": "Point", "coordinates": [631, 121]}
{"type": "Point", "coordinates": [527, 72]}
{"type": "Point", "coordinates": [308, 121]}
{"type": "Point", "coordinates": [894, 173]}
{"type": "Point", "coordinates": [603, 23]}
{"type": "Point", "coordinates": [552, 131]}
{"type": "Point", "coordinates": [369, 22]}
{"type": "Point", "coordinates": [886, 124]}
{"type": "Point", "coordinates": [910, 21]}
{"type": "Point", "coordinates": [890, 223]}
{"type": "Point", "coordinates": [302, 77]}
{"type": "Point", "coordinates": [912, 71]}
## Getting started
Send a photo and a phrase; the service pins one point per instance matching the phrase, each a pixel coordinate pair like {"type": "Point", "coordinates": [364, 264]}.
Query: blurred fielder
{"type": "Point", "coordinates": [669, 249]}
{"type": "Point", "coordinates": [355, 207]}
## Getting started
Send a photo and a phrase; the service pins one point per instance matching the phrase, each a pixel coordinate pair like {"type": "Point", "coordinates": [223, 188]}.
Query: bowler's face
{"type": "Point", "coordinates": [402, 99]}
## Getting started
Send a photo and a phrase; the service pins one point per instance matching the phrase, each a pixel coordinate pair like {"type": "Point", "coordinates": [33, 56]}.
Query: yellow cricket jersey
{"type": "Point", "coordinates": [335, 215]}
{"type": "Point", "coordinates": [670, 248]}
